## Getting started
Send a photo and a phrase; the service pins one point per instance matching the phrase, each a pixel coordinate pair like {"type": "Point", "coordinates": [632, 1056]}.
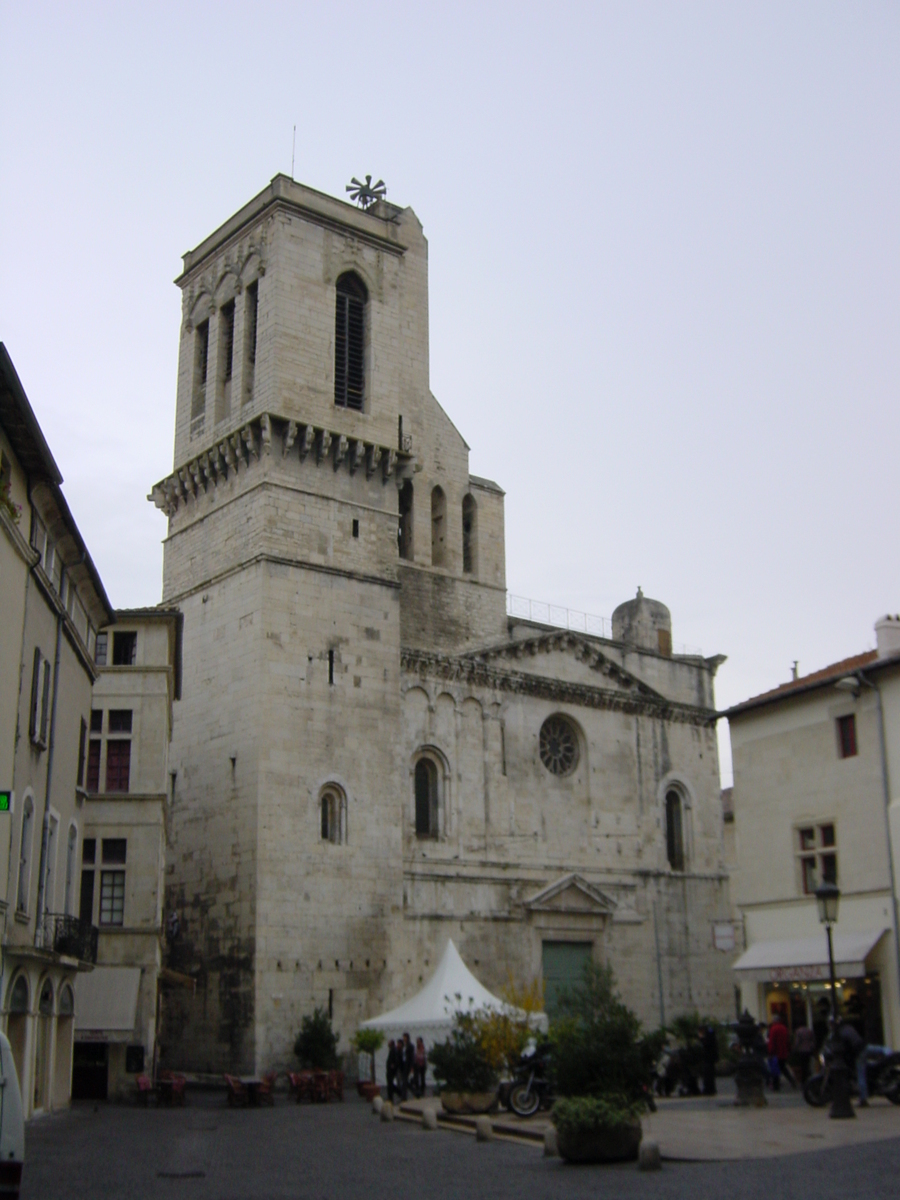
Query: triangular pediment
{"type": "Point", "coordinates": [572, 894]}
{"type": "Point", "coordinates": [566, 657]}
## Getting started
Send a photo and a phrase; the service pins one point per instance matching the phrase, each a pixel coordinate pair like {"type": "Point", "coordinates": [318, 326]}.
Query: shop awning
{"type": "Point", "coordinates": [796, 959]}
{"type": "Point", "coordinates": [106, 1004]}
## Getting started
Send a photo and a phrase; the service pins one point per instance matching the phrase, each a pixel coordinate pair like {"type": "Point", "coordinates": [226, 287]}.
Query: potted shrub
{"type": "Point", "coordinates": [597, 1128]}
{"type": "Point", "coordinates": [604, 1069]}
{"type": "Point", "coordinates": [316, 1043]}
{"type": "Point", "coordinates": [462, 1069]}
{"type": "Point", "coordinates": [368, 1041]}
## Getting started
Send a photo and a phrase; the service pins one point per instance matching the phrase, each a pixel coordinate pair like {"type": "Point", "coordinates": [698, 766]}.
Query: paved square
{"type": "Point", "coordinates": [207, 1151]}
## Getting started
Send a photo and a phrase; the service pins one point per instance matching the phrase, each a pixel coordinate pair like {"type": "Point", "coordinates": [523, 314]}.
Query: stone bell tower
{"type": "Point", "coordinates": [303, 375]}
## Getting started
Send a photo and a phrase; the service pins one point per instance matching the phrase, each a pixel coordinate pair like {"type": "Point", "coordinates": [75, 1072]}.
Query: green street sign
{"type": "Point", "coordinates": [5, 801]}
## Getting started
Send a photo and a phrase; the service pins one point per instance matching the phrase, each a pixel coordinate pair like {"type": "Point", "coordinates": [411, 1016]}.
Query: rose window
{"type": "Point", "coordinates": [559, 746]}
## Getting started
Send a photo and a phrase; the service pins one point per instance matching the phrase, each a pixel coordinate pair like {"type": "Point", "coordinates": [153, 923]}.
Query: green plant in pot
{"type": "Point", "coordinates": [462, 1069]}
{"type": "Point", "coordinates": [316, 1043]}
{"type": "Point", "coordinates": [369, 1041]}
{"type": "Point", "coordinates": [603, 1064]}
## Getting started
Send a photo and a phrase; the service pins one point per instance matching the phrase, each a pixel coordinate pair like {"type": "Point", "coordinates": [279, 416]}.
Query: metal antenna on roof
{"type": "Point", "coordinates": [293, 148]}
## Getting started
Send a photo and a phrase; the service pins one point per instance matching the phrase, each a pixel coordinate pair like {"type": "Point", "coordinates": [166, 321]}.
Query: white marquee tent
{"type": "Point", "coordinates": [429, 1014]}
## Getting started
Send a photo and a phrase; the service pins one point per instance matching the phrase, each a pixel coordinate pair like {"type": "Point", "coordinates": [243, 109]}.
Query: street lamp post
{"type": "Point", "coordinates": [827, 897]}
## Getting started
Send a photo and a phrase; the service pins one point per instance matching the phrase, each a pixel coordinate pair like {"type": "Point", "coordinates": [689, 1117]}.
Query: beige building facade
{"type": "Point", "coordinates": [370, 756]}
{"type": "Point", "coordinates": [816, 765]}
{"type": "Point", "coordinates": [53, 603]}
{"type": "Point", "coordinates": [123, 854]}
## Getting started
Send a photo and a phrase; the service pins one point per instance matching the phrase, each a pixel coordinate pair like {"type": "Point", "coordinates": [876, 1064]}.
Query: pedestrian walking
{"type": "Point", "coordinates": [779, 1048]}
{"type": "Point", "coordinates": [709, 1048]}
{"type": "Point", "coordinates": [407, 1059]}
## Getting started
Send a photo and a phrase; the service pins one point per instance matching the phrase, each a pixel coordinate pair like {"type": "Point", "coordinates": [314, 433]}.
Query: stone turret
{"type": "Point", "coordinates": [643, 623]}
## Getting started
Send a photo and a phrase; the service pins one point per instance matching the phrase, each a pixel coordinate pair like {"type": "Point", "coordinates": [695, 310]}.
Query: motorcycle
{"type": "Point", "coordinates": [882, 1079]}
{"type": "Point", "coordinates": [675, 1070]}
{"type": "Point", "coordinates": [532, 1089]}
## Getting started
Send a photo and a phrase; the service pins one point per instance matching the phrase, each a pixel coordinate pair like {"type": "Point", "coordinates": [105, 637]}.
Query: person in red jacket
{"type": "Point", "coordinates": [779, 1048]}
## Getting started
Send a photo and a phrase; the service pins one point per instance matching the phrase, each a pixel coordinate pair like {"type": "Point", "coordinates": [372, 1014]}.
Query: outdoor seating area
{"type": "Point", "coordinates": [168, 1090]}
{"type": "Point", "coordinates": [250, 1091]}
{"type": "Point", "coordinates": [316, 1086]}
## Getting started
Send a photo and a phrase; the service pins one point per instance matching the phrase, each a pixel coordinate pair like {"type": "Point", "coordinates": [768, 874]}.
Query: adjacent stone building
{"type": "Point", "coordinates": [123, 850]}
{"type": "Point", "coordinates": [816, 771]}
{"type": "Point", "coordinates": [52, 602]}
{"type": "Point", "coordinates": [370, 756]}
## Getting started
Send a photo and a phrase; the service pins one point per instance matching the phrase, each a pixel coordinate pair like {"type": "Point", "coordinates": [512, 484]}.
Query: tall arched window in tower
{"type": "Point", "coordinates": [470, 535]}
{"type": "Point", "coordinates": [405, 526]}
{"type": "Point", "coordinates": [438, 526]}
{"type": "Point", "coordinates": [426, 786]}
{"type": "Point", "coordinates": [333, 814]}
{"type": "Point", "coordinates": [674, 831]}
{"type": "Point", "coordinates": [350, 341]}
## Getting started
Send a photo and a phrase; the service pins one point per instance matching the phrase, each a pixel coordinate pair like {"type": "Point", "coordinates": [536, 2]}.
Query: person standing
{"type": "Point", "coordinates": [407, 1059]}
{"type": "Point", "coordinates": [392, 1068]}
{"type": "Point", "coordinates": [709, 1049]}
{"type": "Point", "coordinates": [779, 1048]}
{"type": "Point", "coordinates": [804, 1046]}
{"type": "Point", "coordinates": [420, 1062]}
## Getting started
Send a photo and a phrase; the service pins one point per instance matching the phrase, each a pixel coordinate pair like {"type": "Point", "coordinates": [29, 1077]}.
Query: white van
{"type": "Point", "coordinates": [12, 1125]}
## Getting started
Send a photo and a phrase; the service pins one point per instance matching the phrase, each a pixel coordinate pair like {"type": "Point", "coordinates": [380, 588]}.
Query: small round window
{"type": "Point", "coordinates": [559, 746]}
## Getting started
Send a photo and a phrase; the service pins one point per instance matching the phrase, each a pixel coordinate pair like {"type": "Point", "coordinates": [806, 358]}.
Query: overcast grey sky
{"type": "Point", "coordinates": [663, 261]}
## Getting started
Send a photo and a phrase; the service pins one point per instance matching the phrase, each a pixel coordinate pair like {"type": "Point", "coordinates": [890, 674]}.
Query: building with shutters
{"type": "Point", "coordinates": [123, 851]}
{"type": "Point", "coordinates": [53, 603]}
{"type": "Point", "coordinates": [371, 756]}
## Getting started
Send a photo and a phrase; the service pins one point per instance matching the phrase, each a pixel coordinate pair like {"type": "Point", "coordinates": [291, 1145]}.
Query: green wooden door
{"type": "Point", "coordinates": [563, 964]}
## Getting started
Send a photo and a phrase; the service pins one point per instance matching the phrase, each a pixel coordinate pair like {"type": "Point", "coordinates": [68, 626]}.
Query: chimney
{"type": "Point", "coordinates": [887, 636]}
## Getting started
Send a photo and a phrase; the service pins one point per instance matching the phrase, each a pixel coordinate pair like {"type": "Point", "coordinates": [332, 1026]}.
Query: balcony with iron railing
{"type": "Point", "coordinates": [68, 935]}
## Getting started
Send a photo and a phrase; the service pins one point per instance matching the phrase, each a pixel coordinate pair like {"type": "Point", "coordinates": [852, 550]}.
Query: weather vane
{"type": "Point", "coordinates": [365, 194]}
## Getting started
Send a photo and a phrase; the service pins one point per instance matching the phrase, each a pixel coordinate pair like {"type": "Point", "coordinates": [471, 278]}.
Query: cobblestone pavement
{"type": "Point", "coordinates": [207, 1151]}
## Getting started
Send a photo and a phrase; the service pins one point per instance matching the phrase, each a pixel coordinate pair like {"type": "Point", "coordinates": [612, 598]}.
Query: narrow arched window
{"type": "Point", "coordinates": [350, 341]}
{"type": "Point", "coordinates": [405, 523]}
{"type": "Point", "coordinates": [18, 996]}
{"type": "Point", "coordinates": [25, 855]}
{"type": "Point", "coordinates": [426, 785]}
{"type": "Point", "coordinates": [333, 815]}
{"type": "Point", "coordinates": [438, 526]}
{"type": "Point", "coordinates": [470, 535]}
{"type": "Point", "coordinates": [674, 831]}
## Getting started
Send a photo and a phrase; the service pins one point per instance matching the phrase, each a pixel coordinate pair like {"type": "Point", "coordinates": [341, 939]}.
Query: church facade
{"type": "Point", "coordinates": [369, 755]}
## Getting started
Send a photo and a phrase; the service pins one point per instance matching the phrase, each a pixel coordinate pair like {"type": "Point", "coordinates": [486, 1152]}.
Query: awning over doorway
{"type": "Point", "coordinates": [798, 959]}
{"type": "Point", "coordinates": [106, 1004]}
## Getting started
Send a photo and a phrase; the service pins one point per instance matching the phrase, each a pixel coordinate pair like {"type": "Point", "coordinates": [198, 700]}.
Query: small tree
{"type": "Point", "coordinates": [505, 1032]}
{"type": "Point", "coordinates": [369, 1041]}
{"type": "Point", "coordinates": [316, 1044]}
{"type": "Point", "coordinates": [598, 1046]}
{"type": "Point", "coordinates": [460, 1063]}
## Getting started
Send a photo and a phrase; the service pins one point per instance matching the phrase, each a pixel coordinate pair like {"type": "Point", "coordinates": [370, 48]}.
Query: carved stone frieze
{"type": "Point", "coordinates": [479, 673]}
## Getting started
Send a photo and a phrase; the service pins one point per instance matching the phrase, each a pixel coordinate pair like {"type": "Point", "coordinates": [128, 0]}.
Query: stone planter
{"type": "Point", "coordinates": [615, 1143]}
{"type": "Point", "coordinates": [468, 1102]}
{"type": "Point", "coordinates": [368, 1090]}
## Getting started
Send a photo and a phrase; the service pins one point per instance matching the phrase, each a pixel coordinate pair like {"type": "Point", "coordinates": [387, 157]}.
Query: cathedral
{"type": "Point", "coordinates": [369, 756]}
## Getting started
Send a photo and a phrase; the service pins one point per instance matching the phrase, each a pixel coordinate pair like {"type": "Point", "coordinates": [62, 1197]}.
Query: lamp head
{"type": "Point", "coordinates": [827, 897]}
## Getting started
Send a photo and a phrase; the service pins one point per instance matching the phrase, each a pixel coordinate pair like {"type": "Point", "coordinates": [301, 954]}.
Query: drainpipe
{"type": "Point", "coordinates": [45, 825]}
{"type": "Point", "coordinates": [885, 783]}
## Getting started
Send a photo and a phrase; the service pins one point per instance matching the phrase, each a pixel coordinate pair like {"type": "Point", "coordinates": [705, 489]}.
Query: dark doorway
{"type": "Point", "coordinates": [90, 1070]}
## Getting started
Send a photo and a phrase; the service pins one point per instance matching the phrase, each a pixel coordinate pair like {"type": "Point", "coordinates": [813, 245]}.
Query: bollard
{"type": "Point", "coordinates": [429, 1118]}
{"type": "Point", "coordinates": [387, 1111]}
{"type": "Point", "coordinates": [377, 1105]}
{"type": "Point", "coordinates": [648, 1157]}
{"type": "Point", "coordinates": [484, 1130]}
{"type": "Point", "coordinates": [551, 1145]}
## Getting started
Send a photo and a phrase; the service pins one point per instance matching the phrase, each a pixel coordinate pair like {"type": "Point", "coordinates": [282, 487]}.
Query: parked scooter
{"type": "Point", "coordinates": [532, 1089]}
{"type": "Point", "coordinates": [882, 1079]}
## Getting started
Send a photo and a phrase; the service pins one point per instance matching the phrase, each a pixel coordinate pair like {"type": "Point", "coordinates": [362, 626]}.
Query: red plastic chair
{"type": "Point", "coordinates": [238, 1096]}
